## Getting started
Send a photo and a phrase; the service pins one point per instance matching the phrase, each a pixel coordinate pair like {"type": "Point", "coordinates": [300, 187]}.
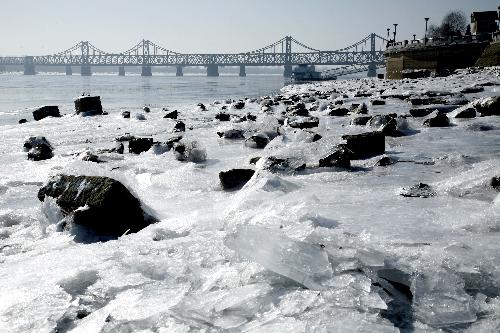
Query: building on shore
{"type": "Point", "coordinates": [420, 58]}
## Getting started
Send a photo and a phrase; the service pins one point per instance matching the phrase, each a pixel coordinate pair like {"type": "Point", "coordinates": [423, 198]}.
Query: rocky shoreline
{"type": "Point", "coordinates": [360, 204]}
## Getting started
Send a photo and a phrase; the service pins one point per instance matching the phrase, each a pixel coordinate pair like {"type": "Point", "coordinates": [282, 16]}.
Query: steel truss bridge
{"type": "Point", "coordinates": [286, 52]}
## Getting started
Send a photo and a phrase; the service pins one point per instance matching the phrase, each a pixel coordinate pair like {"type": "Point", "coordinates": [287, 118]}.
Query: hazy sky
{"type": "Point", "coordinates": [44, 27]}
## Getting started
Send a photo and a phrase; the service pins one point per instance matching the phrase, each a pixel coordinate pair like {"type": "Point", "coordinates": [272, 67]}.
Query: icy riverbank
{"type": "Point", "coordinates": [301, 249]}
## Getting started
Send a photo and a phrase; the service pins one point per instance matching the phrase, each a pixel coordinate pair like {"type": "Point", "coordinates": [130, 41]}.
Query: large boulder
{"type": "Point", "coordinates": [172, 115]}
{"type": "Point", "coordinates": [232, 134]}
{"type": "Point", "coordinates": [467, 112]}
{"type": "Point", "coordinates": [101, 204]}
{"type": "Point", "coordinates": [365, 145]}
{"type": "Point", "coordinates": [338, 112]}
{"type": "Point", "coordinates": [235, 178]}
{"type": "Point", "coordinates": [221, 116]}
{"type": "Point", "coordinates": [487, 106]}
{"type": "Point", "coordinates": [298, 109]}
{"type": "Point", "coordinates": [38, 148]}
{"type": "Point", "coordinates": [88, 105]}
{"type": "Point", "coordinates": [140, 145]}
{"type": "Point", "coordinates": [437, 120]}
{"type": "Point", "coordinates": [257, 141]}
{"type": "Point", "coordinates": [180, 126]}
{"type": "Point", "coordinates": [339, 158]}
{"type": "Point", "coordinates": [46, 111]}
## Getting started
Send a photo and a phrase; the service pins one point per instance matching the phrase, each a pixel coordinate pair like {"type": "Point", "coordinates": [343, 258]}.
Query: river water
{"type": "Point", "coordinates": [20, 94]}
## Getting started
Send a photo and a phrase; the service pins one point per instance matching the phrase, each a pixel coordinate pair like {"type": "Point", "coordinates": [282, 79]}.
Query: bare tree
{"type": "Point", "coordinates": [454, 23]}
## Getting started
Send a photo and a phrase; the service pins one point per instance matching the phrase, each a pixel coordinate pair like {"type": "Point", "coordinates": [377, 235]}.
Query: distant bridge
{"type": "Point", "coordinates": [147, 54]}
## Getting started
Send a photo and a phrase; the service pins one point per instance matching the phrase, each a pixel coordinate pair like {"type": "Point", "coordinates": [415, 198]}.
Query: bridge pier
{"type": "Point", "coordinates": [213, 70]}
{"type": "Point", "coordinates": [179, 71]}
{"type": "Point", "coordinates": [288, 71]}
{"type": "Point", "coordinates": [2, 69]}
{"type": "Point", "coordinates": [243, 71]}
{"type": "Point", "coordinates": [121, 71]}
{"type": "Point", "coordinates": [29, 66]}
{"type": "Point", "coordinates": [146, 71]}
{"type": "Point", "coordinates": [69, 70]}
{"type": "Point", "coordinates": [86, 70]}
{"type": "Point", "coordinates": [372, 70]}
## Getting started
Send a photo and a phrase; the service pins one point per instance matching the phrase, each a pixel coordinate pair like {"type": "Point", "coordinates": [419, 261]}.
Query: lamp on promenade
{"type": "Point", "coordinates": [395, 31]}
{"type": "Point", "coordinates": [388, 33]}
{"type": "Point", "coordinates": [426, 22]}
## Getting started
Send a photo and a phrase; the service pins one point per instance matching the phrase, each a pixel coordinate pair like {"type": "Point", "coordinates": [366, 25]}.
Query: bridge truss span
{"type": "Point", "coordinates": [286, 52]}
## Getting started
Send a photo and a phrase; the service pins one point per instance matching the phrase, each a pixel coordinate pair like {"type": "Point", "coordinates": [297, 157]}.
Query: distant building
{"type": "Point", "coordinates": [484, 22]}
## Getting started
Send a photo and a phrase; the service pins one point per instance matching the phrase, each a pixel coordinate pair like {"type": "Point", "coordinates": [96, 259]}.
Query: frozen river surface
{"type": "Point", "coordinates": [308, 250]}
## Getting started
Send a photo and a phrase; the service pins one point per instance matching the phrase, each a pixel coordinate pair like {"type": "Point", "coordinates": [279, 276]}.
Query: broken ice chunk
{"type": "Point", "coordinates": [440, 300]}
{"type": "Point", "coordinates": [302, 262]}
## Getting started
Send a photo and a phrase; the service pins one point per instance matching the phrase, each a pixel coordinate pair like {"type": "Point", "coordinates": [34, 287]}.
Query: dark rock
{"type": "Point", "coordinates": [223, 116]}
{"type": "Point", "coordinates": [386, 161]}
{"type": "Point", "coordinates": [439, 120]}
{"type": "Point", "coordinates": [472, 90]}
{"type": "Point", "coordinates": [235, 178]}
{"type": "Point", "coordinates": [180, 127]}
{"type": "Point", "coordinates": [466, 113]}
{"type": "Point", "coordinates": [306, 122]}
{"type": "Point", "coordinates": [146, 109]}
{"type": "Point", "coordinates": [421, 112]}
{"type": "Point", "coordinates": [140, 116]}
{"type": "Point", "coordinates": [38, 148]}
{"type": "Point", "coordinates": [40, 153]}
{"type": "Point", "coordinates": [298, 109]}
{"type": "Point", "coordinates": [361, 109]}
{"type": "Point", "coordinates": [140, 145]}
{"type": "Point", "coordinates": [254, 160]}
{"type": "Point", "coordinates": [488, 107]}
{"type": "Point", "coordinates": [251, 117]}
{"type": "Point", "coordinates": [316, 137]}
{"type": "Point", "coordinates": [495, 183]}
{"type": "Point", "coordinates": [23, 121]}
{"type": "Point", "coordinates": [338, 102]}
{"type": "Point", "coordinates": [172, 115]}
{"type": "Point", "coordinates": [365, 145]}
{"type": "Point", "coordinates": [101, 204]}
{"type": "Point", "coordinates": [201, 107]}
{"type": "Point", "coordinates": [338, 112]}
{"type": "Point", "coordinates": [173, 140]}
{"type": "Point", "coordinates": [257, 141]}
{"type": "Point", "coordinates": [376, 102]}
{"type": "Point", "coordinates": [239, 105]}
{"type": "Point", "coordinates": [361, 120]}
{"type": "Point", "coordinates": [88, 105]}
{"type": "Point", "coordinates": [232, 134]}
{"type": "Point", "coordinates": [126, 114]}
{"type": "Point", "coordinates": [46, 111]}
{"type": "Point", "coordinates": [285, 165]}
{"type": "Point", "coordinates": [420, 190]}
{"type": "Point", "coordinates": [391, 129]}
{"type": "Point", "coordinates": [339, 158]}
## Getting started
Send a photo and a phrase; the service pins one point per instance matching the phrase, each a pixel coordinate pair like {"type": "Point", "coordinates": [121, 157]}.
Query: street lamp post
{"type": "Point", "coordinates": [426, 23]}
{"type": "Point", "coordinates": [388, 33]}
{"type": "Point", "coordinates": [395, 31]}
